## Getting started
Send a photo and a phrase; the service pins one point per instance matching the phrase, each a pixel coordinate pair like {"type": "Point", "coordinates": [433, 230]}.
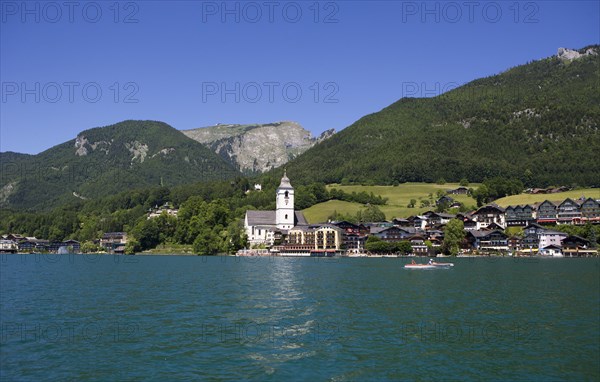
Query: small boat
{"type": "Point", "coordinates": [432, 265]}
{"type": "Point", "coordinates": [419, 266]}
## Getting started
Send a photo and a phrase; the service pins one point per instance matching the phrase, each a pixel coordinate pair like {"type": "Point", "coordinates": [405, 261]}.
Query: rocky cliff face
{"type": "Point", "coordinates": [570, 54]}
{"type": "Point", "coordinates": [257, 148]}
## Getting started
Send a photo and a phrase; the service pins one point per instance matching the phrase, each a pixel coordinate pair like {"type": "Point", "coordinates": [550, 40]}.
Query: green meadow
{"type": "Point", "coordinates": [398, 199]}
{"type": "Point", "coordinates": [558, 197]}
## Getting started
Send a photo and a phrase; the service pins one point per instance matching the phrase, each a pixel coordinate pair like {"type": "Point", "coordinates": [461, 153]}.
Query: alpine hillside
{"type": "Point", "coordinates": [105, 160]}
{"type": "Point", "coordinates": [537, 122]}
{"type": "Point", "coordinates": [259, 147]}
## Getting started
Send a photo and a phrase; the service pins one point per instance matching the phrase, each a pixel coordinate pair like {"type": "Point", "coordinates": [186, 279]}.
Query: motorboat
{"type": "Point", "coordinates": [419, 266]}
{"type": "Point", "coordinates": [431, 265]}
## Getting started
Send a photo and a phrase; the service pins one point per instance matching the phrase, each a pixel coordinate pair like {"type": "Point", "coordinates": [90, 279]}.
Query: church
{"type": "Point", "coordinates": [263, 227]}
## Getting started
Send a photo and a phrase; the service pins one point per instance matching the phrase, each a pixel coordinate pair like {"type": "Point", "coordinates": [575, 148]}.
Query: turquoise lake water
{"type": "Point", "coordinates": [165, 318]}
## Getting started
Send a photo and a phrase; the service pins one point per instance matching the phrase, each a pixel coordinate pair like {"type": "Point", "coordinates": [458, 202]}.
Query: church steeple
{"type": "Point", "coordinates": [284, 215]}
{"type": "Point", "coordinates": [285, 181]}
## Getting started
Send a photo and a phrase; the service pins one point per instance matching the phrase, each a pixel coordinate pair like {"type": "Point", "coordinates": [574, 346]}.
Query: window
{"type": "Point", "coordinates": [286, 195]}
{"type": "Point", "coordinates": [286, 216]}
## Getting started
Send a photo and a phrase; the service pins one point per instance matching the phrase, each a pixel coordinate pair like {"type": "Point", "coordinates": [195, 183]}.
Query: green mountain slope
{"type": "Point", "coordinates": [537, 122]}
{"type": "Point", "coordinates": [103, 161]}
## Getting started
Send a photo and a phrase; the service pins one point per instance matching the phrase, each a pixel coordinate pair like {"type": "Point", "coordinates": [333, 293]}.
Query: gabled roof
{"type": "Point", "coordinates": [344, 222]}
{"type": "Point", "coordinates": [375, 230]}
{"type": "Point", "coordinates": [300, 219]}
{"type": "Point", "coordinates": [440, 214]}
{"type": "Point", "coordinates": [256, 218]}
{"type": "Point", "coordinates": [490, 206]}
{"type": "Point", "coordinates": [568, 200]}
{"type": "Point", "coordinates": [268, 218]}
{"type": "Point", "coordinates": [550, 232]}
{"type": "Point", "coordinates": [481, 233]}
{"type": "Point", "coordinates": [576, 238]}
{"type": "Point", "coordinates": [534, 225]}
{"type": "Point", "coordinates": [537, 205]}
{"type": "Point", "coordinates": [551, 246]}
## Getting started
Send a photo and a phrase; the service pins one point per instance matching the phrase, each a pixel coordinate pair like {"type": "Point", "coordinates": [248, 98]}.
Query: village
{"type": "Point", "coordinates": [285, 231]}
{"type": "Point", "coordinates": [489, 230]}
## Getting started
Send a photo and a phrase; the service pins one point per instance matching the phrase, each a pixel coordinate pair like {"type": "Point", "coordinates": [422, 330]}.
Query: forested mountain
{"type": "Point", "coordinates": [104, 161]}
{"type": "Point", "coordinates": [537, 122]}
{"type": "Point", "coordinates": [259, 147]}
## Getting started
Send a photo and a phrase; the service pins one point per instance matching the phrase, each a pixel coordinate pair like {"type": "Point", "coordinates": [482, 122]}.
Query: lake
{"type": "Point", "coordinates": [98, 318]}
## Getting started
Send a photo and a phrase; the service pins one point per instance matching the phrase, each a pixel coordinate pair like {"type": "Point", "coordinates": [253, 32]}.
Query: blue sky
{"type": "Point", "coordinates": [67, 68]}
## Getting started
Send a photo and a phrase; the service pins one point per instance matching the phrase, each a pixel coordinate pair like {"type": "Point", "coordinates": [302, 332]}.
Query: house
{"type": "Point", "coordinates": [70, 246]}
{"type": "Point", "coordinates": [114, 242]}
{"type": "Point", "coordinates": [399, 222]}
{"type": "Point", "coordinates": [519, 215]}
{"type": "Point", "coordinates": [262, 227]}
{"type": "Point", "coordinates": [575, 246]}
{"type": "Point", "coordinates": [551, 250]}
{"type": "Point", "coordinates": [468, 222]}
{"type": "Point", "coordinates": [590, 211]}
{"type": "Point", "coordinates": [417, 242]}
{"type": "Point", "coordinates": [462, 190]}
{"type": "Point", "coordinates": [548, 238]}
{"type": "Point", "coordinates": [482, 240]}
{"type": "Point", "coordinates": [32, 244]}
{"type": "Point", "coordinates": [437, 218]}
{"type": "Point", "coordinates": [546, 212]}
{"type": "Point", "coordinates": [391, 233]}
{"type": "Point", "coordinates": [567, 211]}
{"type": "Point", "coordinates": [418, 222]}
{"type": "Point", "coordinates": [8, 246]}
{"type": "Point", "coordinates": [353, 235]}
{"type": "Point", "coordinates": [166, 208]}
{"type": "Point", "coordinates": [531, 236]}
{"type": "Point", "coordinates": [14, 237]}
{"type": "Point", "coordinates": [489, 214]}
{"type": "Point", "coordinates": [514, 244]}
{"type": "Point", "coordinates": [447, 200]}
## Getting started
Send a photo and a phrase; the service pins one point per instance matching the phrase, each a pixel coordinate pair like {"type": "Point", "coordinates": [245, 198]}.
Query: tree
{"type": "Point", "coordinates": [403, 247]}
{"type": "Point", "coordinates": [464, 182]}
{"type": "Point", "coordinates": [453, 235]}
{"type": "Point", "coordinates": [376, 245]}
{"type": "Point", "coordinates": [370, 213]}
{"type": "Point", "coordinates": [147, 233]}
{"type": "Point", "coordinates": [89, 247]}
{"type": "Point", "coordinates": [481, 194]}
{"type": "Point", "coordinates": [412, 203]}
{"type": "Point", "coordinates": [132, 246]}
{"type": "Point", "coordinates": [236, 236]}
{"type": "Point", "coordinates": [207, 243]}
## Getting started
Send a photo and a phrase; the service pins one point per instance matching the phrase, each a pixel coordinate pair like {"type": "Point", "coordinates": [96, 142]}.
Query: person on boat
{"type": "Point", "coordinates": [413, 261]}
{"type": "Point", "coordinates": [430, 262]}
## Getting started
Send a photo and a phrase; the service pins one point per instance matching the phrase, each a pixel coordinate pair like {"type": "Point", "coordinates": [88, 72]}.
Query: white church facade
{"type": "Point", "coordinates": [263, 227]}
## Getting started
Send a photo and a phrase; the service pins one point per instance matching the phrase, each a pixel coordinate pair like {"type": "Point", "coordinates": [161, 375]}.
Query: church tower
{"type": "Point", "coordinates": [284, 214]}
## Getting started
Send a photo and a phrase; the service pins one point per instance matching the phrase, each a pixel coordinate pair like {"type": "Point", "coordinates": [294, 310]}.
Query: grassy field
{"type": "Point", "coordinates": [398, 199]}
{"type": "Point", "coordinates": [530, 199]}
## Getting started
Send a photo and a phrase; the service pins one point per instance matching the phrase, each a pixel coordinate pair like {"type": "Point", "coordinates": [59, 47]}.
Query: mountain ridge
{"type": "Point", "coordinates": [537, 122]}
{"type": "Point", "coordinates": [104, 160]}
{"type": "Point", "coordinates": [257, 148]}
